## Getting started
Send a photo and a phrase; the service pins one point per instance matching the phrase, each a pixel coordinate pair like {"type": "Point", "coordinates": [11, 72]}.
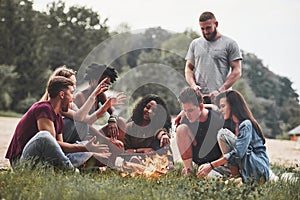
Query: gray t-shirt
{"type": "Point", "coordinates": [211, 61]}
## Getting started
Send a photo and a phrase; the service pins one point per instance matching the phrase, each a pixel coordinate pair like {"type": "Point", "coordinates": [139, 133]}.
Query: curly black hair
{"type": "Point", "coordinates": [99, 71]}
{"type": "Point", "coordinates": [138, 111]}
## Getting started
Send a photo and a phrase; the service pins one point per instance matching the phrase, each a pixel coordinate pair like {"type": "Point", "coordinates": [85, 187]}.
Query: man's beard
{"type": "Point", "coordinates": [65, 107]}
{"type": "Point", "coordinates": [212, 36]}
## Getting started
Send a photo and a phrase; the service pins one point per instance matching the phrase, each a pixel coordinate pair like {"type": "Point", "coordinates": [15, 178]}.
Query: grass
{"type": "Point", "coordinates": [53, 184]}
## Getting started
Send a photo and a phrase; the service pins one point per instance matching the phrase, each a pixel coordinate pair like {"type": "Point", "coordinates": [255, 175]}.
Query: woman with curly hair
{"type": "Point", "coordinates": [149, 126]}
{"type": "Point", "coordinates": [95, 74]}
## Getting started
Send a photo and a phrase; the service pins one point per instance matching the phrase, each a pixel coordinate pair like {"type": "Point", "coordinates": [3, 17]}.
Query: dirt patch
{"type": "Point", "coordinates": [8, 126]}
{"type": "Point", "coordinates": [284, 152]}
{"type": "Point", "coordinates": [281, 152]}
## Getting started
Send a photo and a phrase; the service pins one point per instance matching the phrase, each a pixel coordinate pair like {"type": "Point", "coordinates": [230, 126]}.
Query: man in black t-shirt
{"type": "Point", "coordinates": [197, 134]}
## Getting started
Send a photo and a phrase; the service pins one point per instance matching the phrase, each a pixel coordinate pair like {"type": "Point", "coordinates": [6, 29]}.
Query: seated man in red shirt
{"type": "Point", "coordinates": [38, 134]}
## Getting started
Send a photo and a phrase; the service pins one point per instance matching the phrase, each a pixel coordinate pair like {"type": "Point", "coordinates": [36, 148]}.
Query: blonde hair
{"type": "Point", "coordinates": [60, 71]}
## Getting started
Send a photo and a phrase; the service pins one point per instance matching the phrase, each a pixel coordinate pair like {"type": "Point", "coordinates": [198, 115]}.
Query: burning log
{"type": "Point", "coordinates": [152, 166]}
{"type": "Point", "coordinates": [134, 166]}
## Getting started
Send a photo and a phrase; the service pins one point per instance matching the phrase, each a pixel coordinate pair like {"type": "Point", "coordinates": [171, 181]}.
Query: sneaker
{"type": "Point", "coordinates": [272, 176]}
{"type": "Point", "coordinates": [187, 172]}
{"type": "Point", "coordinates": [289, 177]}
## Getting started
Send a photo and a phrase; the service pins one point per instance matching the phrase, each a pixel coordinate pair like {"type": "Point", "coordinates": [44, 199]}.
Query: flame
{"type": "Point", "coordinates": [153, 166]}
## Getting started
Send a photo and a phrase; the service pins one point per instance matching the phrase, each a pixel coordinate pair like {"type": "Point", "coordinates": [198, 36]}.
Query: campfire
{"type": "Point", "coordinates": [151, 166]}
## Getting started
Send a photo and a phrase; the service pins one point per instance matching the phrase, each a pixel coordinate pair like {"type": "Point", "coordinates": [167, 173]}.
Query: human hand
{"type": "Point", "coordinates": [179, 118]}
{"type": "Point", "coordinates": [213, 95]}
{"type": "Point", "coordinates": [117, 100]}
{"type": "Point", "coordinates": [103, 148]}
{"type": "Point", "coordinates": [113, 130]}
{"type": "Point", "coordinates": [197, 88]}
{"type": "Point", "coordinates": [164, 138]}
{"type": "Point", "coordinates": [117, 143]}
{"type": "Point", "coordinates": [203, 170]}
{"type": "Point", "coordinates": [100, 156]}
{"type": "Point", "coordinates": [98, 148]}
{"type": "Point", "coordinates": [211, 106]}
{"type": "Point", "coordinates": [164, 141]}
{"type": "Point", "coordinates": [101, 87]}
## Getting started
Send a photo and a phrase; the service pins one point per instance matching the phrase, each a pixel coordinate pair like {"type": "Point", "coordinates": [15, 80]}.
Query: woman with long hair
{"type": "Point", "coordinates": [60, 71]}
{"type": "Point", "coordinates": [245, 149]}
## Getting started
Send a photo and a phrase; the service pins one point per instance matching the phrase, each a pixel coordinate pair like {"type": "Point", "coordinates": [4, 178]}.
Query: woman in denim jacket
{"type": "Point", "coordinates": [244, 151]}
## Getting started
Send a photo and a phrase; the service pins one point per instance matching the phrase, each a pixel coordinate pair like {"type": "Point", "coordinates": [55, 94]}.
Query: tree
{"type": "Point", "coordinates": [18, 46]}
{"type": "Point", "coordinates": [175, 50]}
{"type": "Point", "coordinates": [73, 34]}
{"type": "Point", "coordinates": [273, 101]}
{"type": "Point", "coordinates": [7, 80]}
{"type": "Point", "coordinates": [36, 43]}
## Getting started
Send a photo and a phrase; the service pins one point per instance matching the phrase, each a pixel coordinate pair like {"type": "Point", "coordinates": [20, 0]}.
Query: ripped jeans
{"type": "Point", "coordinates": [226, 140]}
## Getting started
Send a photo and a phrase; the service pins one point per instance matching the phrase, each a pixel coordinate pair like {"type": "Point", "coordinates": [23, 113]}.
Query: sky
{"type": "Point", "coordinates": [268, 28]}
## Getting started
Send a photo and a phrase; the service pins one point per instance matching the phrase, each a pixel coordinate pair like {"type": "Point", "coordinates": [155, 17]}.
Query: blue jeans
{"type": "Point", "coordinates": [226, 140]}
{"type": "Point", "coordinates": [44, 147]}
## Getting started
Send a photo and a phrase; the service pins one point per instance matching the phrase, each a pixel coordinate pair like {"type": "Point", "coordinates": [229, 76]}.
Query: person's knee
{"type": "Point", "coordinates": [221, 135]}
{"type": "Point", "coordinates": [184, 141]}
{"type": "Point", "coordinates": [45, 136]}
{"type": "Point", "coordinates": [39, 143]}
{"type": "Point", "coordinates": [182, 131]}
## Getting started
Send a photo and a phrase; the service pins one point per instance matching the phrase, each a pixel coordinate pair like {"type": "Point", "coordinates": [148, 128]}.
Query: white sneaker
{"type": "Point", "coordinates": [272, 176]}
{"type": "Point", "coordinates": [77, 170]}
{"type": "Point", "coordinates": [289, 177]}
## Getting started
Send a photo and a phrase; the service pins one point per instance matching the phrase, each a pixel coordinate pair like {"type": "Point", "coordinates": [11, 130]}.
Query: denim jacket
{"type": "Point", "coordinates": [250, 153]}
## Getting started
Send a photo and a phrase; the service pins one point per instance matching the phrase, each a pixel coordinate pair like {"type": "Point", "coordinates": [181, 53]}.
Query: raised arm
{"type": "Point", "coordinates": [82, 113]}
{"type": "Point", "coordinates": [103, 99]}
{"type": "Point", "coordinates": [118, 100]}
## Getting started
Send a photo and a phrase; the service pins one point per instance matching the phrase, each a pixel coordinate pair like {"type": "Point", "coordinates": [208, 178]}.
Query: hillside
{"type": "Point", "coordinates": [273, 101]}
